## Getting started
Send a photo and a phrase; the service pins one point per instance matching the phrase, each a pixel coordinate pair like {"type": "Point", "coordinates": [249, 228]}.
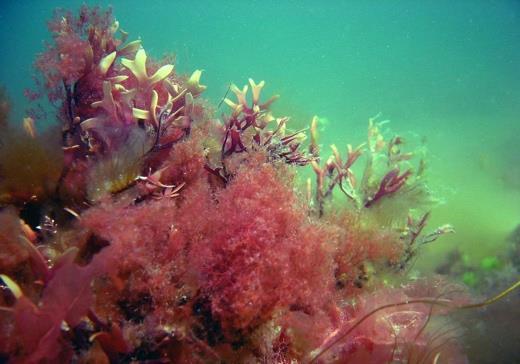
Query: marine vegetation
{"type": "Point", "coordinates": [147, 229]}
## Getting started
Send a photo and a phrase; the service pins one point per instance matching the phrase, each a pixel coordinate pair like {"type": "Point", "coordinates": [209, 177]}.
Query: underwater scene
{"type": "Point", "coordinates": [260, 181]}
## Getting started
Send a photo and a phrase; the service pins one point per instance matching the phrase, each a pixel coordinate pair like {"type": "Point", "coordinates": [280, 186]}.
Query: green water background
{"type": "Point", "coordinates": [448, 71]}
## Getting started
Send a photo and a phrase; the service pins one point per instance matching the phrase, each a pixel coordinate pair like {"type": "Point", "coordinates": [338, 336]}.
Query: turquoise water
{"type": "Point", "coordinates": [446, 71]}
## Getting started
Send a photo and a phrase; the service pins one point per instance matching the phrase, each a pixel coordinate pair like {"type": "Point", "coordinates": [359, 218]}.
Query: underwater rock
{"type": "Point", "coordinates": [514, 239]}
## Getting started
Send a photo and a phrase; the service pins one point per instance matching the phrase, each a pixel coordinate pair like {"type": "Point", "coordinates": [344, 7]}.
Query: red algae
{"type": "Point", "coordinates": [263, 255]}
{"type": "Point", "coordinates": [12, 254]}
{"type": "Point", "coordinates": [170, 235]}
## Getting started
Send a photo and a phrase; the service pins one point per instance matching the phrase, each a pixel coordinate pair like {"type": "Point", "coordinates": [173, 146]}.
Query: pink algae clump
{"type": "Point", "coordinates": [172, 235]}
{"type": "Point", "coordinates": [414, 333]}
{"type": "Point", "coordinates": [240, 253]}
{"type": "Point", "coordinates": [264, 253]}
